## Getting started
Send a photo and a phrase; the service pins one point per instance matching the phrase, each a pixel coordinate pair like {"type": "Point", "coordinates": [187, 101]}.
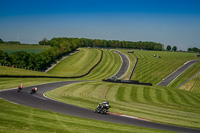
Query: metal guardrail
{"type": "Point", "coordinates": [188, 79]}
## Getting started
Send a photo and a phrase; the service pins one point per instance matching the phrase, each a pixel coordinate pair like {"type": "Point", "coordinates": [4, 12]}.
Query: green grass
{"type": "Point", "coordinates": [17, 71]}
{"type": "Point", "coordinates": [29, 48]}
{"type": "Point", "coordinates": [21, 119]}
{"type": "Point", "coordinates": [160, 104]}
{"type": "Point", "coordinates": [153, 69]}
{"type": "Point", "coordinates": [6, 83]}
{"type": "Point", "coordinates": [192, 85]}
{"type": "Point", "coordinates": [194, 69]}
{"type": "Point", "coordinates": [77, 64]}
{"type": "Point", "coordinates": [109, 65]}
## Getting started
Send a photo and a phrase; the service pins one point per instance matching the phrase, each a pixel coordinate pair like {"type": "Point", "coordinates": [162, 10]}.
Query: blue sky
{"type": "Point", "coordinates": [170, 22]}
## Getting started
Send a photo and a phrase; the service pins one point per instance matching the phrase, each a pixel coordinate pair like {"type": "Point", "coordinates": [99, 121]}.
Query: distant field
{"type": "Point", "coordinates": [29, 48]}
{"type": "Point", "coordinates": [160, 104]}
{"type": "Point", "coordinates": [77, 64]}
{"type": "Point", "coordinates": [152, 69]}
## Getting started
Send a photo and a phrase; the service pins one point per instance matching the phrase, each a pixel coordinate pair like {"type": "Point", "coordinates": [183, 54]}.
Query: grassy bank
{"type": "Point", "coordinates": [152, 69]}
{"type": "Point", "coordinates": [158, 104]}
{"type": "Point", "coordinates": [77, 64]}
{"type": "Point", "coordinates": [109, 65]}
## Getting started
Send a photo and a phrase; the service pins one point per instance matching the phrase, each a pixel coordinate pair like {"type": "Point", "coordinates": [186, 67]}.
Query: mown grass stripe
{"type": "Point", "coordinates": [134, 93]}
{"type": "Point", "coordinates": [146, 92]}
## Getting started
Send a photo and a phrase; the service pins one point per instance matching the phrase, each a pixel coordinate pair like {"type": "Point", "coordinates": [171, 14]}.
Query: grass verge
{"type": "Point", "coordinates": [77, 64]}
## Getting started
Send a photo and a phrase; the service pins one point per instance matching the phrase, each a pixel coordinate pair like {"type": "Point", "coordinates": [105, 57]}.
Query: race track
{"type": "Point", "coordinates": [38, 100]}
{"type": "Point", "coordinates": [176, 73]}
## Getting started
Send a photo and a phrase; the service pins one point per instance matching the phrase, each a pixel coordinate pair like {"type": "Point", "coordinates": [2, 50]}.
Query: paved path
{"type": "Point", "coordinates": [125, 65]}
{"type": "Point", "coordinates": [177, 73]}
{"type": "Point", "coordinates": [39, 101]}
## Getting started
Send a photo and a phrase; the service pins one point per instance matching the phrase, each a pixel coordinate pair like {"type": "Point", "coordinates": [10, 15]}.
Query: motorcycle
{"type": "Point", "coordinates": [33, 90]}
{"type": "Point", "coordinates": [102, 109]}
{"type": "Point", "coordinates": [19, 89]}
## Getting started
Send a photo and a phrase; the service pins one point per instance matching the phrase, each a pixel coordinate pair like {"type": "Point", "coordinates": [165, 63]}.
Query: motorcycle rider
{"type": "Point", "coordinates": [34, 89]}
{"type": "Point", "coordinates": [104, 104]}
{"type": "Point", "coordinates": [20, 87]}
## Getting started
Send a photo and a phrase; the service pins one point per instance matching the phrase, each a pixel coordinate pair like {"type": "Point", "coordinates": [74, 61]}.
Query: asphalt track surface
{"type": "Point", "coordinates": [38, 100]}
{"type": "Point", "coordinates": [125, 65]}
{"type": "Point", "coordinates": [176, 73]}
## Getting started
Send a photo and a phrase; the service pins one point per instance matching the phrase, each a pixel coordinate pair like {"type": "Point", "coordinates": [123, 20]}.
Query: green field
{"type": "Point", "coordinates": [77, 64]}
{"type": "Point", "coordinates": [29, 48]}
{"type": "Point", "coordinates": [152, 69]}
{"type": "Point", "coordinates": [160, 104]}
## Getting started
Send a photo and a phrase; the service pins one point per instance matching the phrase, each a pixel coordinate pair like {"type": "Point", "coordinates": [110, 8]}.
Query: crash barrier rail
{"type": "Point", "coordinates": [27, 76]}
{"type": "Point", "coordinates": [133, 69]}
{"type": "Point", "coordinates": [126, 82]}
{"type": "Point", "coordinates": [189, 79]}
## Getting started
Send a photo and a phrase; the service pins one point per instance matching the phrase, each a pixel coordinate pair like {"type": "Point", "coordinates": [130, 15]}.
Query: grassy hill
{"type": "Point", "coordinates": [152, 69]}
{"type": "Point", "coordinates": [9, 48]}
{"type": "Point", "coordinates": [77, 64]}
{"type": "Point", "coordinates": [160, 104]}
{"type": "Point", "coordinates": [110, 64]}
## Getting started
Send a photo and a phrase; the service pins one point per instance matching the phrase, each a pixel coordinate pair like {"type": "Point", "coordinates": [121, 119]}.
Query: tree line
{"type": "Point", "coordinates": [194, 49]}
{"type": "Point", "coordinates": [83, 42]}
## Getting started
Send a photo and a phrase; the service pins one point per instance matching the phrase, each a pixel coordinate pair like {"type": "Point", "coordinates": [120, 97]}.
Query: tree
{"type": "Point", "coordinates": [174, 48]}
{"type": "Point", "coordinates": [1, 41]}
{"type": "Point", "coordinates": [44, 42]}
{"type": "Point", "coordinates": [189, 49]}
{"type": "Point", "coordinates": [169, 47]}
{"type": "Point", "coordinates": [20, 58]}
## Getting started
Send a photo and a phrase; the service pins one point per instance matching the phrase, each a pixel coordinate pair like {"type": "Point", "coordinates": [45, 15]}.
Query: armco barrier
{"type": "Point", "coordinates": [133, 68]}
{"type": "Point", "coordinates": [127, 82]}
{"type": "Point", "coordinates": [27, 76]}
